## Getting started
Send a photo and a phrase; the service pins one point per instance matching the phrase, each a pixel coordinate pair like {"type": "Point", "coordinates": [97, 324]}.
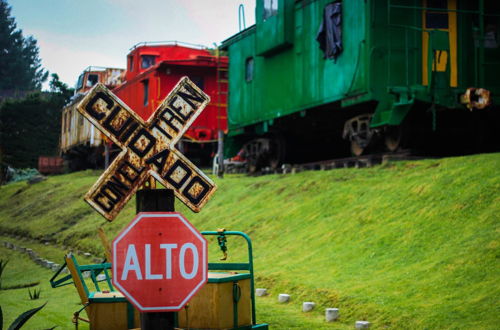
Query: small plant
{"type": "Point", "coordinates": [3, 264]}
{"type": "Point", "coordinates": [21, 319]}
{"type": "Point", "coordinates": [35, 294]}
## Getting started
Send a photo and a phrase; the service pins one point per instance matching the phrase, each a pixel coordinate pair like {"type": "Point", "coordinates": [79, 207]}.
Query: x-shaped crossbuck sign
{"type": "Point", "coordinates": [148, 148]}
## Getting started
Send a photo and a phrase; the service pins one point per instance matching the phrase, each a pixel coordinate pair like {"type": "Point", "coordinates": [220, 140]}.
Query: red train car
{"type": "Point", "coordinates": [152, 71]}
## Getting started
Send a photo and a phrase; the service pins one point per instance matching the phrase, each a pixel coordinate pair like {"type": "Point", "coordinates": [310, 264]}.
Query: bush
{"type": "Point", "coordinates": [30, 127]}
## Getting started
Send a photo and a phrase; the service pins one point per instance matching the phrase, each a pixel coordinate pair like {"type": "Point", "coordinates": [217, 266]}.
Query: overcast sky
{"type": "Point", "coordinates": [73, 34]}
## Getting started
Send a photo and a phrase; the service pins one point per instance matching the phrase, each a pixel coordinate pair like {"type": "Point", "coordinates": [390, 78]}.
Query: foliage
{"type": "Point", "coordinates": [35, 295]}
{"type": "Point", "coordinates": [23, 174]}
{"type": "Point", "coordinates": [59, 88]}
{"type": "Point", "coordinates": [30, 128]}
{"type": "Point", "coordinates": [63, 301]}
{"type": "Point", "coordinates": [21, 319]}
{"type": "Point", "coordinates": [3, 264]}
{"type": "Point", "coordinates": [20, 65]}
{"type": "Point", "coordinates": [404, 245]}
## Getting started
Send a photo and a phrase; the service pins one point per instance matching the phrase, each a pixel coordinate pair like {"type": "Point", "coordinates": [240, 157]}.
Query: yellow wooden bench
{"type": "Point", "coordinates": [106, 308]}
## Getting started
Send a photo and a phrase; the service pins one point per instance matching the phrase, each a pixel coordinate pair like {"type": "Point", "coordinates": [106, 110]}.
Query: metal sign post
{"type": "Point", "coordinates": [158, 200]}
{"type": "Point", "coordinates": [148, 148]}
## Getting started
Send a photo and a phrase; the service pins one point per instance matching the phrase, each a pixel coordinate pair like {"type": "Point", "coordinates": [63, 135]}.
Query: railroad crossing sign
{"type": "Point", "coordinates": [148, 148]}
{"type": "Point", "coordinates": [159, 261]}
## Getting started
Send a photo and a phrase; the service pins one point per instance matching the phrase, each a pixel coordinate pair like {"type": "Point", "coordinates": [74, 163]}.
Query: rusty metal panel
{"type": "Point", "coordinates": [148, 148]}
{"type": "Point", "coordinates": [76, 130]}
{"type": "Point", "coordinates": [113, 77]}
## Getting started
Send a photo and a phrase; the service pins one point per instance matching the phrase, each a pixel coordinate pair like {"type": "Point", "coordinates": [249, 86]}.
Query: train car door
{"type": "Point", "coordinates": [439, 20]}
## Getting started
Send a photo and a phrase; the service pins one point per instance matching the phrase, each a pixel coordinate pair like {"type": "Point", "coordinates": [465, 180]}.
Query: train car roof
{"type": "Point", "coordinates": [238, 36]}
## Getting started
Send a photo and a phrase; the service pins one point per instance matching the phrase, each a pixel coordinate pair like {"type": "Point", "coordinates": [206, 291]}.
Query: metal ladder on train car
{"type": "Point", "coordinates": [222, 97]}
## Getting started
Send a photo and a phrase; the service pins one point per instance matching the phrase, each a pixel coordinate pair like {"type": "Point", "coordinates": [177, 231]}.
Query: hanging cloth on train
{"type": "Point", "coordinates": [330, 32]}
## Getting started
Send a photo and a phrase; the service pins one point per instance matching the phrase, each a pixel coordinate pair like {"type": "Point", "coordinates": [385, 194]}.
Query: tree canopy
{"type": "Point", "coordinates": [30, 127]}
{"type": "Point", "coordinates": [20, 64]}
{"type": "Point", "coordinates": [60, 88]}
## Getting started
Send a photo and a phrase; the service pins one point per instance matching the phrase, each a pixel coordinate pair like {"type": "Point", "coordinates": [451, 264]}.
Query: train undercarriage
{"type": "Point", "coordinates": [84, 157]}
{"type": "Point", "coordinates": [427, 130]}
{"type": "Point", "coordinates": [87, 157]}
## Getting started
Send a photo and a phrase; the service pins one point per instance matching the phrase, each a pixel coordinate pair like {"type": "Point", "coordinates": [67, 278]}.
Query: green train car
{"type": "Point", "coordinates": [391, 74]}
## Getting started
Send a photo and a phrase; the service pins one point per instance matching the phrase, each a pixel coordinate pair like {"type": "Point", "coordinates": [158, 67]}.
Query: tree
{"type": "Point", "coordinates": [59, 88]}
{"type": "Point", "coordinates": [31, 126]}
{"type": "Point", "coordinates": [20, 64]}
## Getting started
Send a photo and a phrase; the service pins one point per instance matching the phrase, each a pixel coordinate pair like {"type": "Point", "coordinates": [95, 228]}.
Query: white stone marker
{"type": "Point", "coordinates": [283, 298]}
{"type": "Point", "coordinates": [308, 306]}
{"type": "Point", "coordinates": [362, 324]}
{"type": "Point", "coordinates": [331, 314]}
{"type": "Point", "coordinates": [260, 292]}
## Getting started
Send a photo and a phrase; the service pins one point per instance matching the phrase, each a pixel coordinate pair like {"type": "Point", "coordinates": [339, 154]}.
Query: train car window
{"type": "Point", "coordinates": [131, 63]}
{"type": "Point", "coordinates": [79, 83]}
{"type": "Point", "coordinates": [198, 81]}
{"type": "Point", "coordinates": [491, 36]}
{"type": "Point", "coordinates": [147, 61]}
{"type": "Point", "coordinates": [145, 84]}
{"type": "Point", "coordinates": [249, 69]}
{"type": "Point", "coordinates": [270, 8]}
{"type": "Point", "coordinates": [436, 19]}
{"type": "Point", "coordinates": [92, 79]}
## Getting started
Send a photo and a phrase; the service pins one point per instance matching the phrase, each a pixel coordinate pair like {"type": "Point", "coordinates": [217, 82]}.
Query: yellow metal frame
{"type": "Point", "coordinates": [77, 280]}
{"type": "Point", "coordinates": [105, 310]}
{"type": "Point", "coordinates": [442, 61]}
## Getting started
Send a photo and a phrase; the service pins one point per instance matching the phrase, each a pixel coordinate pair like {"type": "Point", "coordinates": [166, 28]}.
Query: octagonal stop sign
{"type": "Point", "coordinates": [159, 261]}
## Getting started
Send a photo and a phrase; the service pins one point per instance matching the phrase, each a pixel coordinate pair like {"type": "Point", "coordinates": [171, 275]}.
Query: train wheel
{"type": "Point", "coordinates": [76, 164]}
{"type": "Point", "coordinates": [277, 152]}
{"type": "Point", "coordinates": [253, 165]}
{"type": "Point", "coordinates": [358, 131]}
{"type": "Point", "coordinates": [254, 153]}
{"type": "Point", "coordinates": [356, 149]}
{"type": "Point", "coordinates": [393, 137]}
{"type": "Point", "coordinates": [264, 152]}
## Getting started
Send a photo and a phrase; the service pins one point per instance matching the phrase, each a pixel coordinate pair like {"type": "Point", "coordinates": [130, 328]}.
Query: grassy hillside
{"type": "Point", "coordinates": [404, 245]}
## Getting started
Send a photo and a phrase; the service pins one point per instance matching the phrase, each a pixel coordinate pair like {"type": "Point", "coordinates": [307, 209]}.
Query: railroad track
{"type": "Point", "coordinates": [348, 162]}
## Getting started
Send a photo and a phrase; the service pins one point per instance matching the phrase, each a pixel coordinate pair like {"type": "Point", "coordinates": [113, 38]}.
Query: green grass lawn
{"type": "Point", "coordinates": [61, 302]}
{"type": "Point", "coordinates": [411, 244]}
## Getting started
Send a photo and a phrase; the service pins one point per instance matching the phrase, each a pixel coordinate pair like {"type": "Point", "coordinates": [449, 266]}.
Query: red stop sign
{"type": "Point", "coordinates": [159, 261]}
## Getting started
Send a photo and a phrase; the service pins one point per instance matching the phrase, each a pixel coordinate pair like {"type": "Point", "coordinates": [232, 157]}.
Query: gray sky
{"type": "Point", "coordinates": [73, 34]}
